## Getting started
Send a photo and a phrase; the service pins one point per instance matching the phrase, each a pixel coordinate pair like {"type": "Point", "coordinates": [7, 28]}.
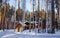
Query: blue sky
{"type": "Point", "coordinates": [28, 4]}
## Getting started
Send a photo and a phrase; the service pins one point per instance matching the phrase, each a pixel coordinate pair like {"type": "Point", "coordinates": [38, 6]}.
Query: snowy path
{"type": "Point", "coordinates": [26, 34]}
{"type": "Point", "coordinates": [29, 36]}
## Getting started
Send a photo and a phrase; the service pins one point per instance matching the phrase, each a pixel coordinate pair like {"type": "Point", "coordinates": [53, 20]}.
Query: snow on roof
{"type": "Point", "coordinates": [23, 24]}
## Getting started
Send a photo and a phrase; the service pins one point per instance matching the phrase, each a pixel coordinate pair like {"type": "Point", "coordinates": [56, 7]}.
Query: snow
{"type": "Point", "coordinates": [27, 34]}
{"type": "Point", "coordinates": [23, 24]}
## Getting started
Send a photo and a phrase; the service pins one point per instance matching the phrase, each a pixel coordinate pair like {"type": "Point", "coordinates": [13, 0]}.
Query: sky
{"type": "Point", "coordinates": [28, 4]}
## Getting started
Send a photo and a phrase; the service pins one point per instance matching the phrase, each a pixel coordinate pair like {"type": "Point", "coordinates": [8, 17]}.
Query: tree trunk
{"type": "Point", "coordinates": [53, 17]}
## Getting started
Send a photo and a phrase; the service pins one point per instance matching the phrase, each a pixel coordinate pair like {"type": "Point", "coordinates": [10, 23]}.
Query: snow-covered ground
{"type": "Point", "coordinates": [27, 34]}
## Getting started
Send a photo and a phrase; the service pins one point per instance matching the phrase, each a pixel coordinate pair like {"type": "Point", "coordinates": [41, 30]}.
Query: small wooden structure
{"type": "Point", "coordinates": [19, 27]}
